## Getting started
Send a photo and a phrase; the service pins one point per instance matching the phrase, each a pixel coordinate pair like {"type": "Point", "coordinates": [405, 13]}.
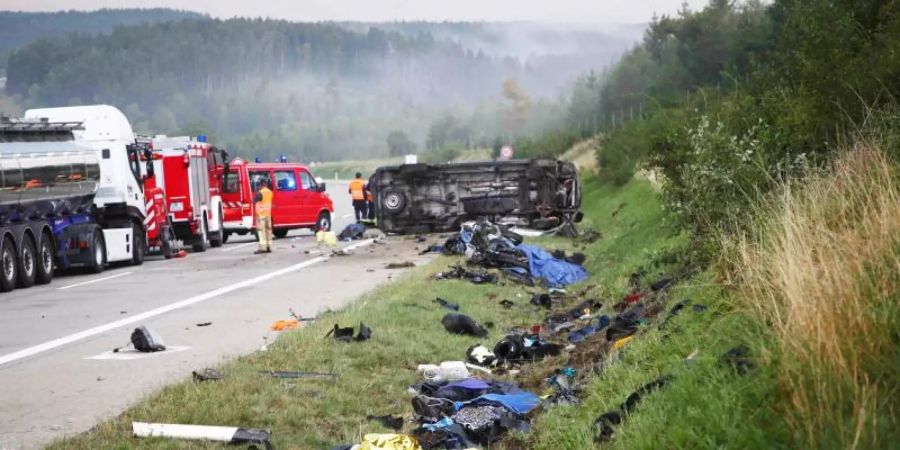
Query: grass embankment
{"type": "Point", "coordinates": [707, 405]}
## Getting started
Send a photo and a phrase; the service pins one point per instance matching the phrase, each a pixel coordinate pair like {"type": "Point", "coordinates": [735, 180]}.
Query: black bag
{"type": "Point", "coordinates": [146, 340]}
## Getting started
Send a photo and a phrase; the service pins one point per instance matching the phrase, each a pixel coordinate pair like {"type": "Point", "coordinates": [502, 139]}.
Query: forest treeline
{"type": "Point", "coordinates": [728, 101]}
{"type": "Point", "coordinates": [20, 28]}
{"type": "Point", "coordinates": [310, 91]}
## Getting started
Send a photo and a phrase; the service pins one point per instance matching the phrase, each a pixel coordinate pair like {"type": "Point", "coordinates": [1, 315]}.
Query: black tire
{"type": "Point", "coordinates": [218, 238]}
{"type": "Point", "coordinates": [46, 260]}
{"type": "Point", "coordinates": [9, 265]}
{"type": "Point", "coordinates": [201, 246]}
{"type": "Point", "coordinates": [393, 201]}
{"type": "Point", "coordinates": [280, 233]}
{"type": "Point", "coordinates": [168, 242]}
{"type": "Point", "coordinates": [138, 245]}
{"type": "Point", "coordinates": [324, 221]}
{"type": "Point", "coordinates": [225, 236]}
{"type": "Point", "coordinates": [27, 263]}
{"type": "Point", "coordinates": [98, 252]}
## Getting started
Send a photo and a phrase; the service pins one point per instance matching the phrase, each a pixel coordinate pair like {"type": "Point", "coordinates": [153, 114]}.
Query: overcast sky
{"type": "Point", "coordinates": [593, 11]}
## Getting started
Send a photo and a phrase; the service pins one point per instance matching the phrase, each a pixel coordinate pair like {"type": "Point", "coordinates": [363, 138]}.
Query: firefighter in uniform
{"type": "Point", "coordinates": [264, 217]}
{"type": "Point", "coordinates": [358, 194]}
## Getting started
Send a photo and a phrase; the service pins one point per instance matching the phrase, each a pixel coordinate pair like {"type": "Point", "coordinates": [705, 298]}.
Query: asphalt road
{"type": "Point", "coordinates": [57, 376]}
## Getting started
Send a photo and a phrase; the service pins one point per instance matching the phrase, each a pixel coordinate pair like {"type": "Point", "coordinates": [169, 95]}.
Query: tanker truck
{"type": "Point", "coordinates": [72, 194]}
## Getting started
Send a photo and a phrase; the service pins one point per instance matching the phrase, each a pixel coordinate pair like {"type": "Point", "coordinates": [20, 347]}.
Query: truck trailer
{"type": "Point", "coordinates": [72, 195]}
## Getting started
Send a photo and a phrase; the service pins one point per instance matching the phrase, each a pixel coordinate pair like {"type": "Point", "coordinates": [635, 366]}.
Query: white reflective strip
{"type": "Point", "coordinates": [149, 204]}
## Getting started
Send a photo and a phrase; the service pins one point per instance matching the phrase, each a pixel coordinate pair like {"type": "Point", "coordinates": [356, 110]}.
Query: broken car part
{"type": "Point", "coordinates": [231, 435]}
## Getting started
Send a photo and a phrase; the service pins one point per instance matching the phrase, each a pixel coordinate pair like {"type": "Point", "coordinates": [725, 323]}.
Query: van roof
{"type": "Point", "coordinates": [275, 166]}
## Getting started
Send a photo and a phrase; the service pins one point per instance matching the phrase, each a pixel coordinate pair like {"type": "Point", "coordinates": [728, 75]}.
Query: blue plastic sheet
{"type": "Point", "coordinates": [554, 272]}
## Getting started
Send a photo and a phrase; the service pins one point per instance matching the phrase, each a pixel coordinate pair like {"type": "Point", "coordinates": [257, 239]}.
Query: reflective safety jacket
{"type": "Point", "coordinates": [358, 189]}
{"type": "Point", "coordinates": [264, 202]}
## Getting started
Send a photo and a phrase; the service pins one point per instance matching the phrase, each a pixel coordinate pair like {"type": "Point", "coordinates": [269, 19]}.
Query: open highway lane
{"type": "Point", "coordinates": [56, 378]}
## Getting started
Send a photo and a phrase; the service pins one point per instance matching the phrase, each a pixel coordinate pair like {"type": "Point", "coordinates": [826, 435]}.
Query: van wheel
{"type": "Point", "coordinates": [8, 265]}
{"type": "Point", "coordinates": [46, 260]}
{"type": "Point", "coordinates": [393, 201]}
{"type": "Point", "coordinates": [201, 246]}
{"type": "Point", "coordinates": [280, 232]}
{"type": "Point", "coordinates": [27, 263]}
{"type": "Point", "coordinates": [138, 245]}
{"type": "Point", "coordinates": [323, 222]}
{"type": "Point", "coordinates": [98, 260]}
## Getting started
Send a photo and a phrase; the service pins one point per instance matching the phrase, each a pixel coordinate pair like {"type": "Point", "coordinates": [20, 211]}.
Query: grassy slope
{"type": "Point", "coordinates": [707, 406]}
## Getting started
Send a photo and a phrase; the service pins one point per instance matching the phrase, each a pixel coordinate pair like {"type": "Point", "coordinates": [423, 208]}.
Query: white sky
{"type": "Point", "coordinates": [585, 11]}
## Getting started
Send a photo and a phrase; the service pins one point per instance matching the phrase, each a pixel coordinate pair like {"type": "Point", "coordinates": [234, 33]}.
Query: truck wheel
{"type": "Point", "coordinates": [323, 222]}
{"type": "Point", "coordinates": [225, 236]}
{"type": "Point", "coordinates": [393, 201]}
{"type": "Point", "coordinates": [138, 245]}
{"type": "Point", "coordinates": [27, 263]}
{"type": "Point", "coordinates": [218, 238]}
{"type": "Point", "coordinates": [8, 265]}
{"type": "Point", "coordinates": [46, 259]}
{"type": "Point", "coordinates": [201, 246]}
{"type": "Point", "coordinates": [280, 232]}
{"type": "Point", "coordinates": [98, 252]}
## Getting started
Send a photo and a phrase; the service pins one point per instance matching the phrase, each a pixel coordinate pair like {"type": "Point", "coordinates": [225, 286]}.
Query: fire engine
{"type": "Point", "coordinates": [299, 200]}
{"type": "Point", "coordinates": [187, 169]}
{"type": "Point", "coordinates": [73, 195]}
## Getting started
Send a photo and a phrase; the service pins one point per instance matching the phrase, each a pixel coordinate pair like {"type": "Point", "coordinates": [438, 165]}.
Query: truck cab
{"type": "Point", "coordinates": [299, 201]}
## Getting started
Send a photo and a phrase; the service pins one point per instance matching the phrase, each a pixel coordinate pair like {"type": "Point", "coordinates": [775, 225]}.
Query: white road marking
{"type": "Point", "coordinates": [127, 355]}
{"type": "Point", "coordinates": [347, 215]}
{"type": "Point", "coordinates": [81, 335]}
{"type": "Point", "coordinates": [235, 247]}
{"type": "Point", "coordinates": [96, 280]}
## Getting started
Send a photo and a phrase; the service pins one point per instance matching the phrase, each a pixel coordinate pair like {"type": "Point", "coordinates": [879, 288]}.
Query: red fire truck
{"type": "Point", "coordinates": [299, 201]}
{"type": "Point", "coordinates": [187, 169]}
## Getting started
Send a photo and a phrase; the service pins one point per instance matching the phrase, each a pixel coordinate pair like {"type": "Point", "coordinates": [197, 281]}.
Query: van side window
{"type": "Point", "coordinates": [256, 177]}
{"type": "Point", "coordinates": [307, 181]}
{"type": "Point", "coordinates": [285, 181]}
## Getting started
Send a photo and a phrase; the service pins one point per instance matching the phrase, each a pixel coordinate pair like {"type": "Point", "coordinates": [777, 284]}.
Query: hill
{"type": "Point", "coordinates": [18, 29]}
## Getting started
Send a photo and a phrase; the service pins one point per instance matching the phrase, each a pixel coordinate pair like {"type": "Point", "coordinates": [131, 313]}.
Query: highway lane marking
{"type": "Point", "coordinates": [96, 280]}
{"type": "Point", "coordinates": [235, 247]}
{"type": "Point", "coordinates": [127, 355]}
{"type": "Point", "coordinates": [81, 335]}
{"type": "Point", "coordinates": [346, 216]}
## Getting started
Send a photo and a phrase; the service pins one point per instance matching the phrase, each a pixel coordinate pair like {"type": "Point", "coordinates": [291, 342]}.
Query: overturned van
{"type": "Point", "coordinates": [420, 198]}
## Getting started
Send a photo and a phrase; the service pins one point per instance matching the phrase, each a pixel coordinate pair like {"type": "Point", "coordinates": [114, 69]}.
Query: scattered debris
{"type": "Point", "coordinates": [207, 374]}
{"type": "Point", "coordinates": [392, 422]}
{"type": "Point", "coordinates": [341, 252]}
{"type": "Point", "coordinates": [507, 304]}
{"type": "Point", "coordinates": [463, 324]}
{"type": "Point", "coordinates": [607, 421]}
{"type": "Point", "coordinates": [352, 231]}
{"type": "Point", "coordinates": [400, 265]}
{"type": "Point", "coordinates": [346, 334]}
{"type": "Point", "coordinates": [231, 435]}
{"type": "Point", "coordinates": [282, 325]}
{"type": "Point", "coordinates": [204, 324]}
{"type": "Point", "coordinates": [446, 304]}
{"type": "Point", "coordinates": [145, 340]}
{"type": "Point", "coordinates": [739, 359]}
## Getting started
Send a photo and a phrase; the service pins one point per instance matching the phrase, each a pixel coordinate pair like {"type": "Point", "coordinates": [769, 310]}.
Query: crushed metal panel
{"type": "Point", "coordinates": [418, 198]}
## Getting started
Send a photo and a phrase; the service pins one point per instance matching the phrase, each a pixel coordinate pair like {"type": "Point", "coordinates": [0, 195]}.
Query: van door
{"type": "Point", "coordinates": [287, 206]}
{"type": "Point", "coordinates": [311, 201]}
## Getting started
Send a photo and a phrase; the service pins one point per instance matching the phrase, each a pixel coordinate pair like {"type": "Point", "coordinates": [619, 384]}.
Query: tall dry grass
{"type": "Point", "coordinates": [824, 276]}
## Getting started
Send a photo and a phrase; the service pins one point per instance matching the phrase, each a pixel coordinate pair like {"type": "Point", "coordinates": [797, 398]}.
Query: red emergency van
{"type": "Point", "coordinates": [298, 201]}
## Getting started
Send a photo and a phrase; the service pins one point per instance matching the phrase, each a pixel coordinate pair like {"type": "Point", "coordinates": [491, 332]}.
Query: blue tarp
{"type": "Point", "coordinates": [554, 272]}
{"type": "Point", "coordinates": [517, 402]}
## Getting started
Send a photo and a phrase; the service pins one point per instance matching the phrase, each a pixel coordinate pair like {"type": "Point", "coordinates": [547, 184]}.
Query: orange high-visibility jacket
{"type": "Point", "coordinates": [357, 189]}
{"type": "Point", "coordinates": [264, 205]}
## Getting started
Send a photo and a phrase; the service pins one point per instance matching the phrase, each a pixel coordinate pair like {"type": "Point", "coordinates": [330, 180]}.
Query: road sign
{"type": "Point", "coordinates": [506, 152]}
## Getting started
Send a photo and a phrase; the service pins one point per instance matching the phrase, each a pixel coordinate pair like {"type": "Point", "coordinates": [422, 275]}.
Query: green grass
{"type": "Point", "coordinates": [707, 406]}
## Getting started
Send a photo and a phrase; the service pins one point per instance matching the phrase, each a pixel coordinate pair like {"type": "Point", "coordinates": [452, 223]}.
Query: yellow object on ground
{"type": "Point", "coordinates": [326, 237]}
{"type": "Point", "coordinates": [374, 441]}
{"type": "Point", "coordinates": [285, 325]}
{"type": "Point", "coordinates": [621, 342]}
